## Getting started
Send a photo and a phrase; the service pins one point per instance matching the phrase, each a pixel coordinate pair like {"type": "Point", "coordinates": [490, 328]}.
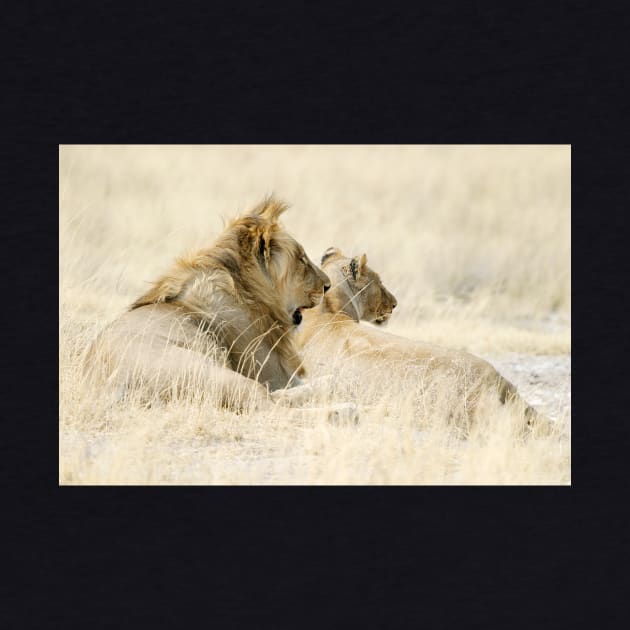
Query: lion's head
{"type": "Point", "coordinates": [357, 290]}
{"type": "Point", "coordinates": [256, 260]}
{"type": "Point", "coordinates": [297, 280]}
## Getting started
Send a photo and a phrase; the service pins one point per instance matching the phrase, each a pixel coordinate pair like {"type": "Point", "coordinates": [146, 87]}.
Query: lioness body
{"type": "Point", "coordinates": [221, 322]}
{"type": "Point", "coordinates": [335, 329]}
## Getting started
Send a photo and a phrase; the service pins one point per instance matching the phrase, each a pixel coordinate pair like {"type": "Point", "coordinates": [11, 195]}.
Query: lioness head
{"type": "Point", "coordinates": [357, 290]}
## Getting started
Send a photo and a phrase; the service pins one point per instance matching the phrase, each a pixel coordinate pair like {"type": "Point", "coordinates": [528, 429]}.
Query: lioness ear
{"type": "Point", "coordinates": [357, 266]}
{"type": "Point", "coordinates": [331, 252]}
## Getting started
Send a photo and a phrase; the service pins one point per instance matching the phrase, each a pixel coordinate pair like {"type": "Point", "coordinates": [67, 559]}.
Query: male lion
{"type": "Point", "coordinates": [221, 322]}
{"type": "Point", "coordinates": [334, 329]}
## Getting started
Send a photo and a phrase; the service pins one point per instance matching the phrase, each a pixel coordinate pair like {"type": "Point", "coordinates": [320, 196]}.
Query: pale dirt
{"type": "Point", "coordinates": [544, 381]}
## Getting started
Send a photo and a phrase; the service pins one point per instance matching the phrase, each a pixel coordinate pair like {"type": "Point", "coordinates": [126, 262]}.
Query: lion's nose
{"type": "Point", "coordinates": [394, 304]}
{"type": "Point", "coordinates": [326, 287]}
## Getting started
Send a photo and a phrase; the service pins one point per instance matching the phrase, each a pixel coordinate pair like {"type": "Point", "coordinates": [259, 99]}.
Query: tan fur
{"type": "Point", "coordinates": [335, 328]}
{"type": "Point", "coordinates": [220, 320]}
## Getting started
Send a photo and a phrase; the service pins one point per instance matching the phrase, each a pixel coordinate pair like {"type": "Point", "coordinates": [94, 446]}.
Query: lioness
{"type": "Point", "coordinates": [334, 329]}
{"type": "Point", "coordinates": [221, 321]}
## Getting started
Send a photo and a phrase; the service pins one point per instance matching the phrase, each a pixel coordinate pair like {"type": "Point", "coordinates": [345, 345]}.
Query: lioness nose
{"type": "Point", "coordinates": [394, 304]}
{"type": "Point", "coordinates": [326, 287]}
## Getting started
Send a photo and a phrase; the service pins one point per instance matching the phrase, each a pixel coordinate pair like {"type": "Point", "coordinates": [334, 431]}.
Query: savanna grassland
{"type": "Point", "coordinates": [474, 241]}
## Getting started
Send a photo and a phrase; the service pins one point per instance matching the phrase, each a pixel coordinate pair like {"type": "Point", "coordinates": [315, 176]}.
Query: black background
{"type": "Point", "coordinates": [543, 557]}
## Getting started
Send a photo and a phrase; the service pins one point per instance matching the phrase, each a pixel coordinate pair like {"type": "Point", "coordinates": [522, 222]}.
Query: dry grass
{"type": "Point", "coordinates": [474, 241]}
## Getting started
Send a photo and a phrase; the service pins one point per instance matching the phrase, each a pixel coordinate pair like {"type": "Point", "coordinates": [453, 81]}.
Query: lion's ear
{"type": "Point", "coordinates": [270, 209]}
{"type": "Point", "coordinates": [357, 266]}
{"type": "Point", "coordinates": [331, 252]}
{"type": "Point", "coordinates": [263, 246]}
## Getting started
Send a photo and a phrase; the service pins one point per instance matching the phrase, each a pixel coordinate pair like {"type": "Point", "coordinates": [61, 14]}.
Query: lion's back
{"type": "Point", "coordinates": [145, 343]}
